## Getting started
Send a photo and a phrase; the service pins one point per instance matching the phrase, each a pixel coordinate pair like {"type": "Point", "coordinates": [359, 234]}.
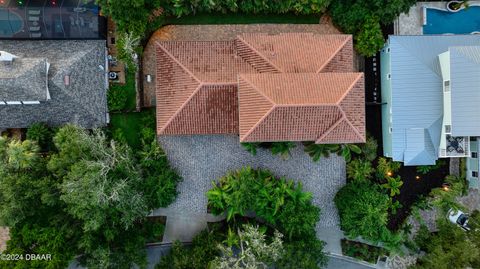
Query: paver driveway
{"type": "Point", "coordinates": [200, 159]}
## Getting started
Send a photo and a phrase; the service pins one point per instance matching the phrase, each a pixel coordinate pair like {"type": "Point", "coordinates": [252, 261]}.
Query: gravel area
{"type": "Point", "coordinates": [201, 159]}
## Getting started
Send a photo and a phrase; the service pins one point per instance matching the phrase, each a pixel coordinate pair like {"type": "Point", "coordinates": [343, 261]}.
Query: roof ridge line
{"type": "Point", "coordinates": [240, 76]}
{"type": "Point", "coordinates": [254, 87]}
{"type": "Point", "coordinates": [262, 119]}
{"type": "Point", "coordinates": [354, 128]}
{"type": "Point", "coordinates": [336, 52]}
{"type": "Point", "coordinates": [409, 51]}
{"type": "Point", "coordinates": [178, 62]}
{"type": "Point", "coordinates": [259, 54]}
{"type": "Point", "coordinates": [355, 81]}
{"type": "Point", "coordinates": [181, 108]}
{"type": "Point", "coordinates": [330, 129]}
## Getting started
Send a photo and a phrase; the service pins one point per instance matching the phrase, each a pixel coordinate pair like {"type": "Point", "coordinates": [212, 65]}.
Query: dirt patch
{"type": "Point", "coordinates": [4, 237]}
{"type": "Point", "coordinates": [215, 33]}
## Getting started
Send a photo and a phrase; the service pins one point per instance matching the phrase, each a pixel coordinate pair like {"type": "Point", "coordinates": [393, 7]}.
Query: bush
{"type": "Point", "coordinates": [277, 201]}
{"type": "Point", "coordinates": [251, 147]}
{"type": "Point", "coordinates": [282, 148]}
{"type": "Point", "coordinates": [369, 39]}
{"type": "Point", "coordinates": [425, 169]}
{"type": "Point", "coordinates": [359, 170]}
{"type": "Point", "coordinates": [42, 134]}
{"type": "Point", "coordinates": [316, 151]}
{"type": "Point", "coordinates": [364, 18]}
{"type": "Point", "coordinates": [204, 249]}
{"type": "Point", "coordinates": [184, 7]}
{"type": "Point", "coordinates": [386, 168]}
{"type": "Point", "coordinates": [363, 211]}
{"type": "Point", "coordinates": [369, 149]}
{"type": "Point", "coordinates": [117, 98]}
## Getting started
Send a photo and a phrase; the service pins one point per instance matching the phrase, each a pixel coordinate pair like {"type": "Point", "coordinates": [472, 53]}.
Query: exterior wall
{"type": "Point", "coordinates": [473, 164]}
{"type": "Point", "coordinates": [386, 101]}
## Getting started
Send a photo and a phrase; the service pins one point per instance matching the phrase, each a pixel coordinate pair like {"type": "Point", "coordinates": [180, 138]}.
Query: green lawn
{"type": "Point", "coordinates": [131, 125]}
{"type": "Point", "coordinates": [238, 18]}
{"type": "Point", "coordinates": [129, 89]}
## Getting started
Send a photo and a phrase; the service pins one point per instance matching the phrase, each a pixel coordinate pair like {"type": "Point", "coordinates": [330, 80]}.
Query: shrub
{"type": "Point", "coordinates": [117, 98]}
{"type": "Point", "coordinates": [363, 19]}
{"type": "Point", "coordinates": [42, 134]}
{"type": "Point", "coordinates": [369, 149]}
{"type": "Point", "coordinates": [425, 169]}
{"type": "Point", "coordinates": [386, 167]}
{"type": "Point", "coordinates": [369, 39]}
{"type": "Point", "coordinates": [282, 149]}
{"type": "Point", "coordinates": [203, 250]}
{"type": "Point", "coordinates": [359, 170]}
{"type": "Point", "coordinates": [184, 7]}
{"type": "Point", "coordinates": [251, 147]}
{"type": "Point", "coordinates": [393, 185]}
{"type": "Point", "coordinates": [316, 151]}
{"type": "Point", "coordinates": [363, 211]}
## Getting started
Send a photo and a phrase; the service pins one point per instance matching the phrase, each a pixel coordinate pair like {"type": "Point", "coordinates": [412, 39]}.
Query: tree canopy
{"type": "Point", "coordinates": [88, 197]}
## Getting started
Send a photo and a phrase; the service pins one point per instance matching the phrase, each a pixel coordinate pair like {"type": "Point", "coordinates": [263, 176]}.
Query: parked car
{"type": "Point", "coordinates": [459, 218]}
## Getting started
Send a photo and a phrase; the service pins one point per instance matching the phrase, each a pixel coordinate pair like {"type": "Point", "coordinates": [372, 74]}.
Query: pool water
{"type": "Point", "coordinates": [10, 23]}
{"type": "Point", "coordinates": [464, 21]}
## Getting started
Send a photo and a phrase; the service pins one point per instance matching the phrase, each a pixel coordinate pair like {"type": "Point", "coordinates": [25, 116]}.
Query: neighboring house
{"type": "Point", "coordinates": [286, 87]}
{"type": "Point", "coordinates": [56, 82]}
{"type": "Point", "coordinates": [430, 96]}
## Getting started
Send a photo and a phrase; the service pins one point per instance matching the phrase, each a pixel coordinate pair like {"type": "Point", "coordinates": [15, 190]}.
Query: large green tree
{"type": "Point", "coordinates": [363, 210]}
{"type": "Point", "coordinates": [90, 198]}
{"type": "Point", "coordinates": [364, 20]}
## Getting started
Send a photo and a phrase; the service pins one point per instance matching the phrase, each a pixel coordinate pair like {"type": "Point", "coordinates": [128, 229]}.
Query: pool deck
{"type": "Point", "coordinates": [412, 23]}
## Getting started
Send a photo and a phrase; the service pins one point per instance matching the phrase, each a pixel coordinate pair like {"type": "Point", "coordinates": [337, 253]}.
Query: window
{"type": "Point", "coordinates": [448, 129]}
{"type": "Point", "coordinates": [474, 154]}
{"type": "Point", "coordinates": [446, 86]}
{"type": "Point", "coordinates": [474, 174]}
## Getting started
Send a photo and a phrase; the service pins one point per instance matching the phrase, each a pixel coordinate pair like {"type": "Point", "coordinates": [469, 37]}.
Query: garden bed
{"type": "Point", "coordinates": [362, 251]}
{"type": "Point", "coordinates": [414, 188]}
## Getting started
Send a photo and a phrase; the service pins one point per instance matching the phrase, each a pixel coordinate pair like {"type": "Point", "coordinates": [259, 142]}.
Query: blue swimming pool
{"type": "Point", "coordinates": [10, 23]}
{"type": "Point", "coordinates": [464, 21]}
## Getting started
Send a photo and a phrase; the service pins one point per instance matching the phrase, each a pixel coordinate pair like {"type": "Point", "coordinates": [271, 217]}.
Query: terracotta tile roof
{"type": "Point", "coordinates": [299, 52]}
{"type": "Point", "coordinates": [197, 85]}
{"type": "Point", "coordinates": [302, 107]}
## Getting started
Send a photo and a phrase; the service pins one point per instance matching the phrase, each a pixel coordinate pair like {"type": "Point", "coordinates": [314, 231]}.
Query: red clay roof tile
{"type": "Point", "coordinates": [197, 84]}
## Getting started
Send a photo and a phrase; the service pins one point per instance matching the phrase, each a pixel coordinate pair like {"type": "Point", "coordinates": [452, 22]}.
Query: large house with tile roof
{"type": "Point", "coordinates": [286, 87]}
{"type": "Point", "coordinates": [53, 81]}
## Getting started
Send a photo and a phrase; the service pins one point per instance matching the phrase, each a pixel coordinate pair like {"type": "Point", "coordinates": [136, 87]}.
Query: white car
{"type": "Point", "coordinates": [459, 218]}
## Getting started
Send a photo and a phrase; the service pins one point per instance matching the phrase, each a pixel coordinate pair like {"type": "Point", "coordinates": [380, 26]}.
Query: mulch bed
{"type": "Point", "coordinates": [414, 188]}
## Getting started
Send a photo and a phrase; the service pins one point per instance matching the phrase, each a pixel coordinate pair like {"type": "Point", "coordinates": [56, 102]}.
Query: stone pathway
{"type": "Point", "coordinates": [201, 159]}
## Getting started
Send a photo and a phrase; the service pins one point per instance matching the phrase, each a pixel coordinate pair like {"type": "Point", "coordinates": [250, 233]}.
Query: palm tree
{"type": "Point", "coordinates": [282, 148]}
{"type": "Point", "coordinates": [393, 184]}
{"type": "Point", "coordinates": [359, 170]}
{"type": "Point", "coordinates": [347, 149]}
{"type": "Point", "coordinates": [251, 147]}
{"type": "Point", "coordinates": [316, 151]}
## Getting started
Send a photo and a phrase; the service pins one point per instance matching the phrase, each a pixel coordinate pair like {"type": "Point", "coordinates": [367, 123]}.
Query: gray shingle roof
{"type": "Point", "coordinates": [83, 101]}
{"type": "Point", "coordinates": [465, 90]}
{"type": "Point", "coordinates": [24, 79]}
